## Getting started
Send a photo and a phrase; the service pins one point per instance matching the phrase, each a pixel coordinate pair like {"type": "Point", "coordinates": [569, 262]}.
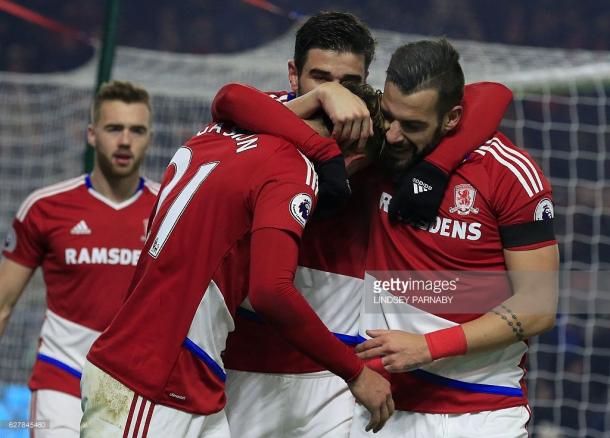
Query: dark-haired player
{"type": "Point", "coordinates": [493, 237]}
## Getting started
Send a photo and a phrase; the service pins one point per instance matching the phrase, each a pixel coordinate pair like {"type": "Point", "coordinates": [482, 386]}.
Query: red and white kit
{"type": "Point", "coordinates": [167, 340]}
{"type": "Point", "coordinates": [497, 199]}
{"type": "Point", "coordinates": [267, 375]}
{"type": "Point", "coordinates": [88, 248]}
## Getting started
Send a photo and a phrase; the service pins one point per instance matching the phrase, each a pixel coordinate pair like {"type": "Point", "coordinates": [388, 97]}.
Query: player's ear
{"type": "Point", "coordinates": [293, 76]}
{"type": "Point", "coordinates": [452, 118]}
{"type": "Point", "coordinates": [91, 135]}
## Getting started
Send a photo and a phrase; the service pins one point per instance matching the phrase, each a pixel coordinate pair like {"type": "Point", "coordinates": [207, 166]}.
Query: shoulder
{"type": "Point", "coordinates": [49, 192]}
{"type": "Point", "coordinates": [509, 165]}
{"type": "Point", "coordinates": [286, 159]}
{"type": "Point", "coordinates": [152, 186]}
{"type": "Point", "coordinates": [287, 166]}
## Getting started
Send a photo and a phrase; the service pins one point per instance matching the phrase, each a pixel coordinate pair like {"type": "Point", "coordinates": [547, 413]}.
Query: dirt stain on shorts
{"type": "Point", "coordinates": [112, 398]}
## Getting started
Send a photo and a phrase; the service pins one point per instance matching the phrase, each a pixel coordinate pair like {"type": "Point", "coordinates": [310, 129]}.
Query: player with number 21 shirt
{"type": "Point", "coordinates": [231, 203]}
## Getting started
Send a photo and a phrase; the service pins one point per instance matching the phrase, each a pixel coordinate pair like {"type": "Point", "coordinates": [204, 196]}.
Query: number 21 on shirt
{"type": "Point", "coordinates": [181, 161]}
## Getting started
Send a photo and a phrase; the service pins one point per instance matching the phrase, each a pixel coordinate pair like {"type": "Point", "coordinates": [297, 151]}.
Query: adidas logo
{"type": "Point", "coordinates": [420, 186]}
{"type": "Point", "coordinates": [80, 228]}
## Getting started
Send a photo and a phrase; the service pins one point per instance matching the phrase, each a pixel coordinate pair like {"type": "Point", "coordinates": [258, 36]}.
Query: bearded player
{"type": "Point", "coordinates": [86, 233]}
{"type": "Point", "coordinates": [493, 237]}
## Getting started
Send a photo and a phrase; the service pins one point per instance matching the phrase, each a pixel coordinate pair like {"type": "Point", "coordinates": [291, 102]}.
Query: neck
{"type": "Point", "coordinates": [117, 188]}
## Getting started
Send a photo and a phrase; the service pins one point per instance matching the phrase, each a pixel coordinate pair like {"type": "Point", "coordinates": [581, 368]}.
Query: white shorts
{"type": "Point", "coordinates": [113, 410]}
{"type": "Point", "coordinates": [503, 423]}
{"type": "Point", "coordinates": [311, 405]}
{"type": "Point", "coordinates": [59, 410]}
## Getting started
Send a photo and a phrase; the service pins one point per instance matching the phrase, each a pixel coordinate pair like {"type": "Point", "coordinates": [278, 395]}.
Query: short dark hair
{"type": "Point", "coordinates": [118, 90]}
{"type": "Point", "coordinates": [429, 64]}
{"type": "Point", "coordinates": [338, 31]}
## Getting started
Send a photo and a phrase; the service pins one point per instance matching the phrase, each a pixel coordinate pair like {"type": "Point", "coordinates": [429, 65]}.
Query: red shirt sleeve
{"type": "Point", "coordinates": [484, 106]}
{"type": "Point", "coordinates": [522, 198]}
{"type": "Point", "coordinates": [285, 194]}
{"type": "Point", "coordinates": [273, 295]}
{"type": "Point", "coordinates": [255, 111]}
{"type": "Point", "coordinates": [24, 243]}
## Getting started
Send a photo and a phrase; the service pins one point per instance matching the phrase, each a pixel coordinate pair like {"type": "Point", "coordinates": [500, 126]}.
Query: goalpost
{"type": "Point", "coordinates": [560, 115]}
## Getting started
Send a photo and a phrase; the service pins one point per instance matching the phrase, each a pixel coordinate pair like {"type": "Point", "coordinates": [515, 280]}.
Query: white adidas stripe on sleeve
{"type": "Point", "coordinates": [515, 162]}
{"type": "Point", "coordinates": [45, 192]}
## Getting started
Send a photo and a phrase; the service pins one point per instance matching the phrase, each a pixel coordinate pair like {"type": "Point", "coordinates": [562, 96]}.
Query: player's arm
{"type": "Point", "coordinates": [13, 279]}
{"type": "Point", "coordinates": [348, 113]}
{"type": "Point", "coordinates": [274, 254]}
{"type": "Point", "coordinates": [530, 311]}
{"type": "Point", "coordinates": [255, 111]}
{"type": "Point", "coordinates": [532, 308]}
{"type": "Point", "coordinates": [483, 105]}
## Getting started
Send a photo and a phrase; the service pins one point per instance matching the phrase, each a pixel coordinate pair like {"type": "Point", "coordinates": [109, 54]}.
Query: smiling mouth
{"type": "Point", "coordinates": [401, 153]}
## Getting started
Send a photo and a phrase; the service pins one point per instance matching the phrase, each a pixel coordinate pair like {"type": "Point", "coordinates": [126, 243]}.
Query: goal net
{"type": "Point", "coordinates": [560, 115]}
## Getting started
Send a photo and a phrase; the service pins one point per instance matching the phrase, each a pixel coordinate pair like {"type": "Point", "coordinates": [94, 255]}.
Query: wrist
{"type": "Point", "coordinates": [447, 342]}
{"type": "Point", "coordinates": [322, 92]}
{"type": "Point", "coordinates": [351, 379]}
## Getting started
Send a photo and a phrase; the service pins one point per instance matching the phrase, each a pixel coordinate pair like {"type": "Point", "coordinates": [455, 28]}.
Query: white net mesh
{"type": "Point", "coordinates": [560, 115]}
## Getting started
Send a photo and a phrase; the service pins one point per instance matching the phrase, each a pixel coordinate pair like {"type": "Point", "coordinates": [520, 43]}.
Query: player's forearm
{"type": "Point", "coordinates": [292, 317]}
{"type": "Point", "coordinates": [5, 314]}
{"type": "Point", "coordinates": [13, 279]}
{"type": "Point", "coordinates": [306, 105]}
{"type": "Point", "coordinates": [505, 326]}
{"type": "Point", "coordinates": [253, 110]}
{"type": "Point", "coordinates": [8, 299]}
{"type": "Point", "coordinates": [273, 296]}
{"type": "Point", "coordinates": [528, 312]}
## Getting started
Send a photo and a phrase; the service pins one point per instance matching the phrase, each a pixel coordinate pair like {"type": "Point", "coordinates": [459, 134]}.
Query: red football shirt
{"type": "Point", "coordinates": [167, 340]}
{"type": "Point", "coordinates": [88, 247]}
{"type": "Point", "coordinates": [497, 199]}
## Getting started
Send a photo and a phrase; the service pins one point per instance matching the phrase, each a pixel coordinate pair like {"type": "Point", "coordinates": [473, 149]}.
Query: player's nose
{"type": "Point", "coordinates": [125, 137]}
{"type": "Point", "coordinates": [393, 133]}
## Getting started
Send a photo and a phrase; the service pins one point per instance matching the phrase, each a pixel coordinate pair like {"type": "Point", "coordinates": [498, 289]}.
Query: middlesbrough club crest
{"type": "Point", "coordinates": [464, 196]}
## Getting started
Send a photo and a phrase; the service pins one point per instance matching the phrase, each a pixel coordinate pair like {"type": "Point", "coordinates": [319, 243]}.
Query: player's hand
{"type": "Point", "coordinates": [419, 194]}
{"type": "Point", "coordinates": [333, 186]}
{"type": "Point", "coordinates": [400, 351]}
{"type": "Point", "coordinates": [352, 124]}
{"type": "Point", "coordinates": [373, 392]}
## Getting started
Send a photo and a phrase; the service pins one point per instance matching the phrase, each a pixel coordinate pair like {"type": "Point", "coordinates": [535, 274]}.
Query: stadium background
{"type": "Point", "coordinates": [553, 54]}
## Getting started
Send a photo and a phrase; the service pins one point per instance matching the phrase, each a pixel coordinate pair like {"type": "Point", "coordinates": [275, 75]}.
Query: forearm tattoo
{"type": "Point", "coordinates": [512, 321]}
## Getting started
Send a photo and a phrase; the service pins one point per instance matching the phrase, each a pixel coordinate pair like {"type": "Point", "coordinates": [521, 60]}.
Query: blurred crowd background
{"type": "Point", "coordinates": [205, 26]}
